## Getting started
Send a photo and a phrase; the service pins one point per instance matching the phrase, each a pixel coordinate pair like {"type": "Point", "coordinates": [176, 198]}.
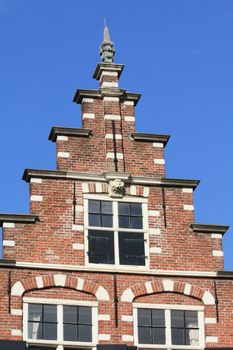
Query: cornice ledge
{"type": "Point", "coordinates": [166, 182]}
{"type": "Point", "coordinates": [76, 132]}
{"type": "Point", "coordinates": [115, 175]}
{"type": "Point", "coordinates": [6, 262]}
{"type": "Point", "coordinates": [18, 218]}
{"type": "Point", "coordinates": [205, 228]}
{"type": "Point", "coordinates": [145, 137]}
{"type": "Point", "coordinates": [110, 67]}
{"type": "Point", "coordinates": [225, 273]}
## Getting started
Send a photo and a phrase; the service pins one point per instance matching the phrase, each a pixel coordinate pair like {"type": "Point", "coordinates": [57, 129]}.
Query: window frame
{"type": "Point", "coordinates": [115, 229]}
{"type": "Point", "coordinates": [59, 343]}
{"type": "Point", "coordinates": [168, 336]}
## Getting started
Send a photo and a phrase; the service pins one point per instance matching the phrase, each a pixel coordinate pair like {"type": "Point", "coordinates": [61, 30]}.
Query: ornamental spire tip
{"type": "Point", "coordinates": [107, 49]}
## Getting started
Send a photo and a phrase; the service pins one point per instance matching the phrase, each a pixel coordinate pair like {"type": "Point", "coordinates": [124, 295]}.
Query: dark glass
{"type": "Point", "coordinates": [106, 207]}
{"type": "Point", "coordinates": [158, 335]}
{"type": "Point", "coordinates": [130, 215]}
{"type": "Point", "coordinates": [85, 333]}
{"type": "Point", "coordinates": [84, 315]}
{"type": "Point", "coordinates": [177, 318]}
{"type": "Point", "coordinates": [94, 206]}
{"type": "Point", "coordinates": [144, 317]}
{"type": "Point", "coordinates": [101, 247]}
{"type": "Point", "coordinates": [70, 314]}
{"type": "Point", "coordinates": [136, 222]}
{"type": "Point", "coordinates": [178, 336]}
{"type": "Point", "coordinates": [70, 332]}
{"type": "Point", "coordinates": [131, 248]}
{"type": "Point", "coordinates": [34, 330]}
{"type": "Point", "coordinates": [124, 222]}
{"type": "Point", "coordinates": [190, 338]}
{"type": "Point", "coordinates": [158, 318]}
{"type": "Point", "coordinates": [50, 313]}
{"type": "Point", "coordinates": [49, 331]}
{"type": "Point", "coordinates": [191, 320]}
{"type": "Point", "coordinates": [124, 209]}
{"type": "Point", "coordinates": [106, 221]}
{"type": "Point", "coordinates": [94, 220]}
{"type": "Point", "coordinates": [35, 312]}
{"type": "Point", "coordinates": [136, 209]}
{"type": "Point", "coordinates": [144, 335]}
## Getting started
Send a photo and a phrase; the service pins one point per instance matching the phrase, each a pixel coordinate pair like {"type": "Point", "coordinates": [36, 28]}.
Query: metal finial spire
{"type": "Point", "coordinates": [107, 49]}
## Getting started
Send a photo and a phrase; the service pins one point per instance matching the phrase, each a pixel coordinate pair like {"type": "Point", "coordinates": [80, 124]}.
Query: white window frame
{"type": "Point", "coordinates": [115, 229]}
{"type": "Point", "coordinates": [168, 339]}
{"type": "Point", "coordinates": [60, 344]}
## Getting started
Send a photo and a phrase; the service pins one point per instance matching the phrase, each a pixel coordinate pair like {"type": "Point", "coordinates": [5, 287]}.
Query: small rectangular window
{"type": "Point", "coordinates": [130, 215]}
{"type": "Point", "coordinates": [77, 323]}
{"type": "Point", "coordinates": [101, 247]}
{"type": "Point", "coordinates": [184, 325]}
{"type": "Point", "coordinates": [151, 326]}
{"type": "Point", "coordinates": [42, 322]}
{"type": "Point", "coordinates": [132, 248]}
{"type": "Point", "coordinates": [100, 213]}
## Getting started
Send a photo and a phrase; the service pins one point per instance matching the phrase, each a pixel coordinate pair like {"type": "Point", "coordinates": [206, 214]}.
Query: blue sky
{"type": "Point", "coordinates": [178, 54]}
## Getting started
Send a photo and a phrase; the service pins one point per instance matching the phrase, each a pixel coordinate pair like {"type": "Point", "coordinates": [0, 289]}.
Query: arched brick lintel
{"type": "Point", "coordinates": [167, 285]}
{"type": "Point", "coordinates": [59, 280]}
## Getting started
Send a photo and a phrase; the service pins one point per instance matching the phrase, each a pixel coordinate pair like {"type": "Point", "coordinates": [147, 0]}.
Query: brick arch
{"type": "Point", "coordinates": [59, 280]}
{"type": "Point", "coordinates": [167, 285]}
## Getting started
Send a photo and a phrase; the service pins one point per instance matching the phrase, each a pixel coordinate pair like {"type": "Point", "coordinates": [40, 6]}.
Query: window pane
{"type": "Point", "coordinates": [84, 316]}
{"type": "Point", "coordinates": [70, 332]}
{"type": "Point", "coordinates": [94, 206]}
{"type": "Point", "coordinates": [70, 314]}
{"type": "Point", "coordinates": [192, 337]}
{"type": "Point", "coordinates": [136, 222]}
{"type": "Point", "coordinates": [85, 333]}
{"type": "Point", "coordinates": [106, 207]}
{"type": "Point", "coordinates": [158, 318]}
{"type": "Point", "coordinates": [136, 209]}
{"type": "Point", "coordinates": [101, 247]}
{"type": "Point", "coordinates": [191, 320]}
{"type": "Point", "coordinates": [106, 221]}
{"type": "Point", "coordinates": [124, 222]}
{"type": "Point", "coordinates": [34, 312]}
{"type": "Point", "coordinates": [94, 219]}
{"type": "Point", "coordinates": [178, 336]}
{"type": "Point", "coordinates": [158, 335]}
{"type": "Point", "coordinates": [34, 330]}
{"type": "Point", "coordinates": [144, 335]}
{"type": "Point", "coordinates": [144, 317]}
{"type": "Point", "coordinates": [49, 331]}
{"type": "Point", "coordinates": [131, 248]}
{"type": "Point", "coordinates": [177, 318]}
{"type": "Point", "coordinates": [124, 209]}
{"type": "Point", "coordinates": [50, 313]}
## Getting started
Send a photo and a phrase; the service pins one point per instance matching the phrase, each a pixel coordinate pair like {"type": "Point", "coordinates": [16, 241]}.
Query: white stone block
{"type": "Point", "coordinates": [129, 118]}
{"type": "Point", "coordinates": [155, 250]}
{"type": "Point", "coordinates": [211, 339]}
{"type": "Point", "coordinates": [153, 213]}
{"type": "Point", "coordinates": [188, 207]}
{"type": "Point", "coordinates": [78, 246]}
{"type": "Point", "coordinates": [111, 155]}
{"type": "Point", "coordinates": [216, 235]}
{"type": "Point", "coordinates": [217, 253]}
{"type": "Point", "coordinates": [8, 243]}
{"type": "Point", "coordinates": [60, 280]}
{"type": "Point", "coordinates": [126, 318]}
{"type": "Point", "coordinates": [208, 298]}
{"type": "Point", "coordinates": [87, 100]}
{"type": "Point", "coordinates": [111, 99]}
{"type": "Point", "coordinates": [146, 192]}
{"type": "Point", "coordinates": [127, 295]}
{"type": "Point", "coordinates": [112, 117]}
{"type": "Point", "coordinates": [98, 187]}
{"type": "Point", "coordinates": [85, 188]}
{"type": "Point", "coordinates": [210, 320]}
{"type": "Point", "coordinates": [17, 312]}
{"type": "Point", "coordinates": [103, 317]}
{"type": "Point", "coordinates": [127, 337]}
{"type": "Point", "coordinates": [16, 332]}
{"type": "Point", "coordinates": [154, 231]}
{"type": "Point", "coordinates": [149, 288]}
{"type": "Point", "coordinates": [79, 208]}
{"type": "Point", "coordinates": [62, 138]}
{"type": "Point", "coordinates": [187, 190]}
{"type": "Point", "coordinates": [77, 228]}
{"type": "Point", "coordinates": [168, 285]}
{"type": "Point", "coordinates": [159, 161]}
{"type": "Point", "coordinates": [80, 284]}
{"type": "Point", "coordinates": [110, 136]}
{"type": "Point", "coordinates": [128, 103]}
{"type": "Point", "coordinates": [88, 116]}
{"type": "Point", "coordinates": [133, 190]}
{"type": "Point", "coordinates": [8, 225]}
{"type": "Point", "coordinates": [102, 294]}
{"type": "Point", "coordinates": [36, 180]}
{"type": "Point", "coordinates": [17, 290]}
{"type": "Point", "coordinates": [36, 198]}
{"type": "Point", "coordinates": [109, 84]}
{"type": "Point", "coordinates": [187, 289]}
{"type": "Point", "coordinates": [104, 337]}
{"type": "Point", "coordinates": [63, 154]}
{"type": "Point", "coordinates": [39, 282]}
{"type": "Point", "coordinates": [157, 144]}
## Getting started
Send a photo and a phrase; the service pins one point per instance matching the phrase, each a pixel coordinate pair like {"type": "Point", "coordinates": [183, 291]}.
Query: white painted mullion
{"type": "Point", "coordinates": [115, 227]}
{"type": "Point", "coordinates": [60, 323]}
{"type": "Point", "coordinates": [135, 324]}
{"type": "Point", "coordinates": [201, 325]}
{"type": "Point", "coordinates": [168, 334]}
{"type": "Point", "coordinates": [25, 321]}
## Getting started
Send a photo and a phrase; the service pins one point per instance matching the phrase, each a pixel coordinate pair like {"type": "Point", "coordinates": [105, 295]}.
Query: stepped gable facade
{"type": "Point", "coordinates": [110, 255]}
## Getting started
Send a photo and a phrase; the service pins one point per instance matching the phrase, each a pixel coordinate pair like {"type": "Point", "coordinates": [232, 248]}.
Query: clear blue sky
{"type": "Point", "coordinates": [178, 54]}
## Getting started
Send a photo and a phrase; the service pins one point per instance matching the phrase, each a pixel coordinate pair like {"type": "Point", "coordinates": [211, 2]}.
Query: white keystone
{"type": "Point", "coordinates": [102, 294]}
{"type": "Point", "coordinates": [208, 298]}
{"type": "Point", "coordinates": [39, 282]}
{"type": "Point", "coordinates": [80, 284]}
{"type": "Point", "coordinates": [187, 289]}
{"type": "Point", "coordinates": [127, 295]}
{"type": "Point", "coordinates": [148, 286]}
{"type": "Point", "coordinates": [17, 290]}
{"type": "Point", "coordinates": [60, 280]}
{"type": "Point", "coordinates": [168, 285]}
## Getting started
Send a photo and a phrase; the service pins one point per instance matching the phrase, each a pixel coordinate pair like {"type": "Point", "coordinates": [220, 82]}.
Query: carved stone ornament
{"type": "Point", "coordinates": [116, 188]}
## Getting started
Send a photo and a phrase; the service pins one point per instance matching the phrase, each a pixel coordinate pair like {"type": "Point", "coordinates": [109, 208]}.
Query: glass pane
{"type": "Point", "coordinates": [191, 320]}
{"type": "Point", "coordinates": [84, 316]}
{"type": "Point", "coordinates": [34, 330]}
{"type": "Point", "coordinates": [192, 337]}
{"type": "Point", "coordinates": [70, 314]}
{"type": "Point", "coordinates": [34, 312]}
{"type": "Point", "coordinates": [94, 219]}
{"type": "Point", "coordinates": [136, 222]}
{"type": "Point", "coordinates": [106, 207]}
{"type": "Point", "coordinates": [144, 335]}
{"type": "Point", "coordinates": [124, 221]}
{"type": "Point", "coordinates": [50, 313]}
{"type": "Point", "coordinates": [94, 206]}
{"type": "Point", "coordinates": [124, 209]}
{"type": "Point", "coordinates": [177, 318]}
{"type": "Point", "coordinates": [178, 336]}
{"type": "Point", "coordinates": [106, 221]}
{"type": "Point", "coordinates": [70, 332]}
{"type": "Point", "coordinates": [144, 317]}
{"type": "Point", "coordinates": [49, 331]}
{"type": "Point", "coordinates": [158, 335]}
{"type": "Point", "coordinates": [85, 333]}
{"type": "Point", "coordinates": [101, 247]}
{"type": "Point", "coordinates": [136, 209]}
{"type": "Point", "coordinates": [131, 248]}
{"type": "Point", "coordinates": [158, 318]}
